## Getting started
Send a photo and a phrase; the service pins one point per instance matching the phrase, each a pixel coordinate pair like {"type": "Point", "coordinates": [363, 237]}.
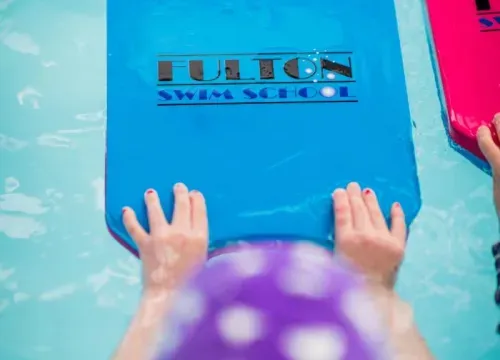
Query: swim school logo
{"type": "Point", "coordinates": [489, 19]}
{"type": "Point", "coordinates": [263, 78]}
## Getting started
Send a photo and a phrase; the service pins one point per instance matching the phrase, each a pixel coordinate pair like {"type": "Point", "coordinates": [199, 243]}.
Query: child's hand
{"type": "Point", "coordinates": [362, 235]}
{"type": "Point", "coordinates": [171, 250]}
{"type": "Point", "coordinates": [491, 152]}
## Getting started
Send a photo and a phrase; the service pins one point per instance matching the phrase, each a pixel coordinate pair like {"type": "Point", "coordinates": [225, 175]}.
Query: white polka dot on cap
{"type": "Point", "coordinates": [240, 325]}
{"type": "Point", "coordinates": [313, 343]}
{"type": "Point", "coordinates": [190, 306]}
{"type": "Point", "coordinates": [310, 254]}
{"type": "Point", "coordinates": [360, 310]}
{"type": "Point", "coordinates": [249, 263]}
{"type": "Point", "coordinates": [297, 281]}
{"type": "Point", "coordinates": [306, 274]}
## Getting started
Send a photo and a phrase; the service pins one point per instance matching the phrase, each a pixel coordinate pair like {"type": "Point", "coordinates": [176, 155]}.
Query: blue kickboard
{"type": "Point", "coordinates": [264, 106]}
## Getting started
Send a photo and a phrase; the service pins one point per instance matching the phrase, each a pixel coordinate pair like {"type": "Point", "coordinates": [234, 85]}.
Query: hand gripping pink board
{"type": "Point", "coordinates": [466, 39]}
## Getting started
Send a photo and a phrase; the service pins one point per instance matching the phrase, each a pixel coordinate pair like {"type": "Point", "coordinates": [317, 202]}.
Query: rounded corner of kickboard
{"type": "Point", "coordinates": [117, 231]}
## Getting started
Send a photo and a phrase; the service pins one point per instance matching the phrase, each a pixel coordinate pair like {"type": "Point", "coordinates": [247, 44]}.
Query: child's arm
{"type": "Point", "coordinates": [140, 341]}
{"type": "Point", "coordinates": [405, 339]}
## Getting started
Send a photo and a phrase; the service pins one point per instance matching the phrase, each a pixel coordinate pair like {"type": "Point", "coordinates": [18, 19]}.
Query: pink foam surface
{"type": "Point", "coordinates": [467, 45]}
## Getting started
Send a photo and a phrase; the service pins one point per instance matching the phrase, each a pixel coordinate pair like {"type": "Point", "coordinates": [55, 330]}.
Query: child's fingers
{"type": "Point", "coordinates": [134, 229]}
{"type": "Point", "coordinates": [199, 219]}
{"type": "Point", "coordinates": [156, 217]}
{"type": "Point", "coordinates": [359, 212]}
{"type": "Point", "coordinates": [342, 212]}
{"type": "Point", "coordinates": [182, 206]}
{"type": "Point", "coordinates": [398, 224]}
{"type": "Point", "coordinates": [376, 215]}
{"type": "Point", "coordinates": [488, 147]}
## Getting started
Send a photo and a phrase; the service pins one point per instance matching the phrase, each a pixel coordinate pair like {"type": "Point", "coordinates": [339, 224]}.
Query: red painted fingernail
{"type": "Point", "coordinates": [150, 191]}
{"type": "Point", "coordinates": [367, 191]}
{"type": "Point", "coordinates": [398, 205]}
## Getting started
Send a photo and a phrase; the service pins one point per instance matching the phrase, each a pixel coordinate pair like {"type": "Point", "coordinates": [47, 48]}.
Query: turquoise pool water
{"type": "Point", "coordinates": [67, 290]}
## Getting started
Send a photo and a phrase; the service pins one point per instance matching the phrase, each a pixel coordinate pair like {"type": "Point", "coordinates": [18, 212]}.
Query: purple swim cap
{"type": "Point", "coordinates": [292, 302]}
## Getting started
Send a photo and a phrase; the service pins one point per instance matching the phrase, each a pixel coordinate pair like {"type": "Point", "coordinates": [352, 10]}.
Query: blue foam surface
{"type": "Point", "coordinates": [265, 152]}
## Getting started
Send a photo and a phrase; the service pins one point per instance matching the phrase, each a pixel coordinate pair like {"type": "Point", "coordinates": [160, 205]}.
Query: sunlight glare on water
{"type": "Point", "coordinates": [67, 290]}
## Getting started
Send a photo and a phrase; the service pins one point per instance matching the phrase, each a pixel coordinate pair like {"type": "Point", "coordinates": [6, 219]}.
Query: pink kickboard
{"type": "Point", "coordinates": [466, 36]}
